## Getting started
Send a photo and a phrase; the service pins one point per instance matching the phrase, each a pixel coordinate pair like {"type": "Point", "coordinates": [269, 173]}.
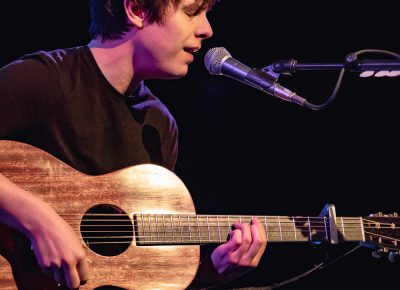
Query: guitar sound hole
{"type": "Point", "coordinates": [107, 230]}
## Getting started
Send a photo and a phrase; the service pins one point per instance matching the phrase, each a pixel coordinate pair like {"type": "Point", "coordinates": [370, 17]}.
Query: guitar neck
{"type": "Point", "coordinates": [173, 229]}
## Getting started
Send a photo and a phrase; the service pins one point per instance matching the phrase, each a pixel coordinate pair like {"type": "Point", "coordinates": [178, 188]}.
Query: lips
{"type": "Point", "coordinates": [191, 49]}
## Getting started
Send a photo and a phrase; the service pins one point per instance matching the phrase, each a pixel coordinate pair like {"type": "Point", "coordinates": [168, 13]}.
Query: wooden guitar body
{"type": "Point", "coordinates": [143, 188]}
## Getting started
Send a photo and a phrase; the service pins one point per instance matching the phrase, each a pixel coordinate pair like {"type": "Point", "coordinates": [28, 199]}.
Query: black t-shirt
{"type": "Point", "coordinates": [60, 101]}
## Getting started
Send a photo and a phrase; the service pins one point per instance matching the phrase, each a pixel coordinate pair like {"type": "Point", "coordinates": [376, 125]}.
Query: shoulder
{"type": "Point", "coordinates": [41, 65]}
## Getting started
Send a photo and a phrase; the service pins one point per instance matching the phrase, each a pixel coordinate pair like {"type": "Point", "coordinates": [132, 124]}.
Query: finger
{"type": "Point", "coordinates": [258, 227]}
{"type": "Point", "coordinates": [58, 275]}
{"type": "Point", "coordinates": [227, 248]}
{"type": "Point", "coordinates": [259, 242]}
{"type": "Point", "coordinates": [244, 228]}
{"type": "Point", "coordinates": [83, 271]}
{"type": "Point", "coordinates": [71, 276]}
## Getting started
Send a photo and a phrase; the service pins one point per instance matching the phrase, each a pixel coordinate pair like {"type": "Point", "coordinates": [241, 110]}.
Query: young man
{"type": "Point", "coordinates": [88, 106]}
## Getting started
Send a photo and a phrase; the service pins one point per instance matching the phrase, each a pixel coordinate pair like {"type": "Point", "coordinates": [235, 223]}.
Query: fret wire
{"type": "Point", "coordinates": [294, 229]}
{"type": "Point", "coordinates": [165, 228]}
{"type": "Point", "coordinates": [344, 234]}
{"type": "Point", "coordinates": [172, 226]}
{"type": "Point", "coordinates": [229, 225]}
{"type": "Point", "coordinates": [280, 228]}
{"type": "Point", "coordinates": [362, 228]}
{"type": "Point", "coordinates": [208, 228]}
{"type": "Point", "coordinates": [190, 231]}
{"type": "Point", "coordinates": [198, 227]}
{"type": "Point", "coordinates": [158, 235]}
{"type": "Point", "coordinates": [143, 228]}
{"type": "Point", "coordinates": [180, 226]}
{"type": "Point", "coordinates": [219, 230]}
{"type": "Point", "coordinates": [266, 226]}
{"type": "Point", "coordinates": [309, 228]}
{"type": "Point", "coordinates": [149, 218]}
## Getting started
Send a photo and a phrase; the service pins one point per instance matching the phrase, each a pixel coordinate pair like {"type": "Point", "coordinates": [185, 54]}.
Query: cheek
{"type": "Point", "coordinates": [167, 41]}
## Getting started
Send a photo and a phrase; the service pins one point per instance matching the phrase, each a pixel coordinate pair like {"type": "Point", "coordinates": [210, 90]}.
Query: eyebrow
{"type": "Point", "coordinates": [199, 5]}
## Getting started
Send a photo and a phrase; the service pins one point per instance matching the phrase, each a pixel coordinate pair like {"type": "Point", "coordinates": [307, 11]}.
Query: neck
{"type": "Point", "coordinates": [115, 60]}
{"type": "Point", "coordinates": [156, 229]}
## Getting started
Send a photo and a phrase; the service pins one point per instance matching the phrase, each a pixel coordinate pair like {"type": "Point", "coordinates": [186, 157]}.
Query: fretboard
{"type": "Point", "coordinates": [173, 229]}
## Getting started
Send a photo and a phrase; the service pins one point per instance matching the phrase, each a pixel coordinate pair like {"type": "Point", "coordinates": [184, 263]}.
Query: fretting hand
{"type": "Point", "coordinates": [242, 252]}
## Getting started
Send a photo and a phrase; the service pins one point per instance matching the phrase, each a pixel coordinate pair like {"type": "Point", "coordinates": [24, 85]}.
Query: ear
{"type": "Point", "coordinates": [134, 13]}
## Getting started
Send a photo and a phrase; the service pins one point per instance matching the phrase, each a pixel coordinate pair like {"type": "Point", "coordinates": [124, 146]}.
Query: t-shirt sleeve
{"type": "Point", "coordinates": [25, 97]}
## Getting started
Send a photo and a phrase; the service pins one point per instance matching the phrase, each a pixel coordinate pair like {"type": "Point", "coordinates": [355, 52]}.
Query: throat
{"type": "Point", "coordinates": [116, 67]}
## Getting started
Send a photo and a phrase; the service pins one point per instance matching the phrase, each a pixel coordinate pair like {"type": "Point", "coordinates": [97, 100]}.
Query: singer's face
{"type": "Point", "coordinates": [166, 50]}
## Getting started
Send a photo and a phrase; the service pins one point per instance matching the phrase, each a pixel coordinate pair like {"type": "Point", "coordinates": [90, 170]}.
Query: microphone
{"type": "Point", "coordinates": [219, 61]}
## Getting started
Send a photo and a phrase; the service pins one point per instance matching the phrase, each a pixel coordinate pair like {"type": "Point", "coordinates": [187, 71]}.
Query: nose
{"type": "Point", "coordinates": [204, 30]}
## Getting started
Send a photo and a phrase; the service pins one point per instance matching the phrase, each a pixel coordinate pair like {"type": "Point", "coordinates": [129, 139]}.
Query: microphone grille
{"type": "Point", "coordinates": [214, 58]}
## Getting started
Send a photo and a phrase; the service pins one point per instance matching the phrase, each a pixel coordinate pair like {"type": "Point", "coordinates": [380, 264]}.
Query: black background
{"type": "Point", "coordinates": [245, 152]}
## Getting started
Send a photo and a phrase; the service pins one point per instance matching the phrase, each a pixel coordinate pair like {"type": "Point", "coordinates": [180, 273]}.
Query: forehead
{"type": "Point", "coordinates": [202, 4]}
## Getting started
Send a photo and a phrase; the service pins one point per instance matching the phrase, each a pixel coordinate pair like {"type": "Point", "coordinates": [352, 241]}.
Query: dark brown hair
{"type": "Point", "coordinates": [109, 20]}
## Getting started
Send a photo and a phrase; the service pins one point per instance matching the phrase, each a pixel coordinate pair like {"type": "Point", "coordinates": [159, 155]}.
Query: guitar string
{"type": "Point", "coordinates": [191, 215]}
{"type": "Point", "coordinates": [279, 225]}
{"type": "Point", "coordinates": [167, 234]}
{"type": "Point", "coordinates": [281, 219]}
{"type": "Point", "coordinates": [213, 232]}
{"type": "Point", "coordinates": [289, 220]}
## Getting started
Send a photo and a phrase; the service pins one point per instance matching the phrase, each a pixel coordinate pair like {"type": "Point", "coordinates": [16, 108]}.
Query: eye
{"type": "Point", "coordinates": [193, 10]}
{"type": "Point", "coordinates": [192, 13]}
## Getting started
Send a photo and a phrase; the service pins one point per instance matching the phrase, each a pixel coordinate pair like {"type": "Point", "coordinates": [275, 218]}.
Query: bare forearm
{"type": "Point", "coordinates": [17, 206]}
{"type": "Point", "coordinates": [58, 250]}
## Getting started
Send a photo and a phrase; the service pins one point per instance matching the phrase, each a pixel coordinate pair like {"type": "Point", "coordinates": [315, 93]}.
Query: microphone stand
{"type": "Point", "coordinates": [291, 66]}
{"type": "Point", "coordinates": [367, 67]}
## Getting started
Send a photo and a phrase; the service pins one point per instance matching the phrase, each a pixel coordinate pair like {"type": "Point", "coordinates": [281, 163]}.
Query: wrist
{"type": "Point", "coordinates": [207, 275]}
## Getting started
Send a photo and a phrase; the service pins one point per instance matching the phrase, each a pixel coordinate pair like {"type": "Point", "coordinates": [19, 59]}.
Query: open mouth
{"type": "Point", "coordinates": [191, 49]}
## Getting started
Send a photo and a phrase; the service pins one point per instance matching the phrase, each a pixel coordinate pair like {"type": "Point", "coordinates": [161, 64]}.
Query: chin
{"type": "Point", "coordinates": [176, 74]}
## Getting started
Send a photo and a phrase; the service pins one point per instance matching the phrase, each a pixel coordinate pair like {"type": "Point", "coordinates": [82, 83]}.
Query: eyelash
{"type": "Point", "coordinates": [192, 14]}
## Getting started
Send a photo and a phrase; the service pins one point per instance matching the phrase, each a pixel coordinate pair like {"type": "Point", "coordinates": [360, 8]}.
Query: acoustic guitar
{"type": "Point", "coordinates": [139, 225]}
